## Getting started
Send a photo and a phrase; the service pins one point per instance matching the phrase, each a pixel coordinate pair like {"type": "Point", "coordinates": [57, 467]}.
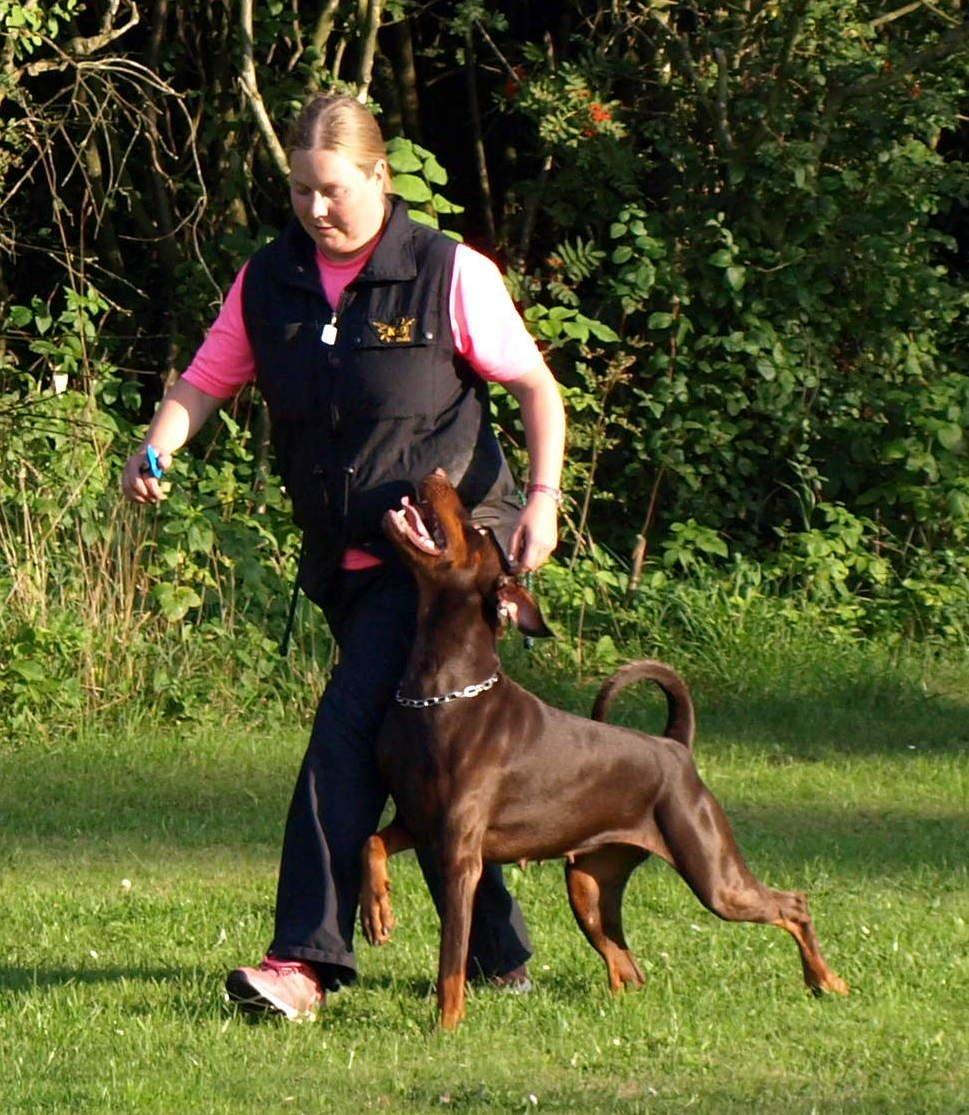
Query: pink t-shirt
{"type": "Point", "coordinates": [488, 332]}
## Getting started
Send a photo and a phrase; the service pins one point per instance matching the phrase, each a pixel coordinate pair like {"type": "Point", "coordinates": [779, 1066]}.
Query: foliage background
{"type": "Point", "coordinates": [738, 229]}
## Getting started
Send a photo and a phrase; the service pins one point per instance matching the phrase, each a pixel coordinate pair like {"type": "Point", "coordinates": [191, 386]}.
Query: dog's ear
{"type": "Point", "coordinates": [516, 603]}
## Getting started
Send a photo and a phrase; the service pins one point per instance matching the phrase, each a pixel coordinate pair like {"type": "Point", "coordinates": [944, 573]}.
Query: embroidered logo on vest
{"type": "Point", "coordinates": [399, 332]}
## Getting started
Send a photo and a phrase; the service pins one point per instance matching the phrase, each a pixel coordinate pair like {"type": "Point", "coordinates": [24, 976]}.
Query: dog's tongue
{"type": "Point", "coordinates": [410, 521]}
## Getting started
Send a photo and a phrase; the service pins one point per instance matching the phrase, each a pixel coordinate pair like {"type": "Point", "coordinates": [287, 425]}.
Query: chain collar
{"type": "Point", "coordinates": [446, 698]}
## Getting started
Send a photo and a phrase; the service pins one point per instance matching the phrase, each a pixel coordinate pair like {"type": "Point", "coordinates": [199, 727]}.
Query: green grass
{"type": "Point", "coordinates": [110, 995]}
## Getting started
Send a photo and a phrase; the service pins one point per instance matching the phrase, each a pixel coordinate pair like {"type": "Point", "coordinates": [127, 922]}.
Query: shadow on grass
{"type": "Point", "coordinates": [29, 979]}
{"type": "Point", "coordinates": [860, 842]}
{"type": "Point", "coordinates": [185, 992]}
{"type": "Point", "coordinates": [888, 721]}
{"type": "Point", "coordinates": [190, 794]}
{"type": "Point", "coordinates": [417, 987]}
{"type": "Point", "coordinates": [786, 835]}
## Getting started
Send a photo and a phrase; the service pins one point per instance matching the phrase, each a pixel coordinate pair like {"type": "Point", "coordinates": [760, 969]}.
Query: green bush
{"type": "Point", "coordinates": [732, 231]}
{"type": "Point", "coordinates": [756, 227]}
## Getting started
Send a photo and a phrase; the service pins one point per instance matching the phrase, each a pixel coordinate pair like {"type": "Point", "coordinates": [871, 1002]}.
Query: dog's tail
{"type": "Point", "coordinates": [680, 718]}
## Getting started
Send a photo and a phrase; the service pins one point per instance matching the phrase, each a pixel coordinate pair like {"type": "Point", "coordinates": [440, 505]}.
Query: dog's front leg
{"type": "Point", "coordinates": [461, 862]}
{"type": "Point", "coordinates": [376, 913]}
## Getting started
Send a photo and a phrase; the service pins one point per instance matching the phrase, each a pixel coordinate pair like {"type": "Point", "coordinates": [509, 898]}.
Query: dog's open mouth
{"type": "Point", "coordinates": [420, 526]}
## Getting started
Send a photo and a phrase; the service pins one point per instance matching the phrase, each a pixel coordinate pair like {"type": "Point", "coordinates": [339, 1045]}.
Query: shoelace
{"type": "Point", "coordinates": [283, 967]}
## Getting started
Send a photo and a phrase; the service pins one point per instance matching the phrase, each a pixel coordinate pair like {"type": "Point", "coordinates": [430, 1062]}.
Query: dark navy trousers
{"type": "Point", "coordinates": [339, 796]}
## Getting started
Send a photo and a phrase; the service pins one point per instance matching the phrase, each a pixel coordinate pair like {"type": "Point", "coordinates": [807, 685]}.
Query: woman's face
{"type": "Point", "coordinates": [340, 207]}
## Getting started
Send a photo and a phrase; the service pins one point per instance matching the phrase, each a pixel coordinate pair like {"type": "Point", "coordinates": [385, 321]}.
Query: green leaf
{"type": "Point", "coordinates": [175, 601]}
{"type": "Point", "coordinates": [442, 205]}
{"type": "Point", "coordinates": [576, 330]}
{"type": "Point", "coordinates": [411, 188]}
{"type": "Point", "coordinates": [659, 320]}
{"type": "Point", "coordinates": [958, 504]}
{"type": "Point", "coordinates": [200, 537]}
{"type": "Point", "coordinates": [19, 316]}
{"type": "Point", "coordinates": [722, 257]}
{"type": "Point", "coordinates": [736, 277]}
{"type": "Point", "coordinates": [950, 435]}
{"type": "Point", "coordinates": [622, 254]}
{"type": "Point", "coordinates": [600, 330]}
{"type": "Point", "coordinates": [403, 160]}
{"type": "Point", "coordinates": [423, 218]}
{"type": "Point", "coordinates": [28, 669]}
{"type": "Point", "coordinates": [434, 172]}
{"type": "Point", "coordinates": [711, 544]}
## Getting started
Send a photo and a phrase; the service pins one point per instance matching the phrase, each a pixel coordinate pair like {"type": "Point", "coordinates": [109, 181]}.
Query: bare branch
{"type": "Point", "coordinates": [907, 9]}
{"type": "Point", "coordinates": [792, 32]}
{"type": "Point", "coordinates": [682, 49]}
{"type": "Point", "coordinates": [480, 159]}
{"type": "Point", "coordinates": [341, 47]}
{"type": "Point", "coordinates": [369, 47]}
{"type": "Point", "coordinates": [324, 25]}
{"type": "Point", "coordinates": [250, 87]}
{"type": "Point", "coordinates": [889, 17]}
{"type": "Point", "coordinates": [951, 43]}
{"type": "Point", "coordinates": [319, 39]}
{"type": "Point", "coordinates": [82, 48]}
{"type": "Point", "coordinates": [483, 31]}
{"type": "Point", "coordinates": [723, 118]}
{"type": "Point", "coordinates": [532, 206]}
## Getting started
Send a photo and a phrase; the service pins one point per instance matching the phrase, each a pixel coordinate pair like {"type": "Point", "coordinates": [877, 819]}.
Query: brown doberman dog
{"type": "Point", "coordinates": [483, 770]}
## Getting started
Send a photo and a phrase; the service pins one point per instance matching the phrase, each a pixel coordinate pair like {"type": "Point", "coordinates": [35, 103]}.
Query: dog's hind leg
{"type": "Point", "coordinates": [596, 882]}
{"type": "Point", "coordinates": [796, 919]}
{"type": "Point", "coordinates": [704, 852]}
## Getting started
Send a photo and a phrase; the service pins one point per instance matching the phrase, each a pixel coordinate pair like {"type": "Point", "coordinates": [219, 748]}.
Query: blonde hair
{"type": "Point", "coordinates": [340, 124]}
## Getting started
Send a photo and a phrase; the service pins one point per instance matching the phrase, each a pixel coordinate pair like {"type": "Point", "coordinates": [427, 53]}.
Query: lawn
{"type": "Point", "coordinates": [137, 867]}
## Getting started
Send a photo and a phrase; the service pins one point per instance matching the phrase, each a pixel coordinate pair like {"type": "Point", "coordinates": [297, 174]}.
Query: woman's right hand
{"type": "Point", "coordinates": [137, 482]}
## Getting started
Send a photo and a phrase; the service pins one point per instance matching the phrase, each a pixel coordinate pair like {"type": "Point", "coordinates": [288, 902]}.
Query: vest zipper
{"type": "Point", "coordinates": [331, 328]}
{"type": "Point", "coordinates": [348, 471]}
{"type": "Point", "coordinates": [328, 336]}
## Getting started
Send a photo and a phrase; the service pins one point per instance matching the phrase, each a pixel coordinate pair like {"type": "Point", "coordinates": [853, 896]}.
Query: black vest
{"type": "Point", "coordinates": [358, 422]}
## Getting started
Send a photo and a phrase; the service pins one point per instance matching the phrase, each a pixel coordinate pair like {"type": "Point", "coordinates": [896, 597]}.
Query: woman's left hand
{"type": "Point", "coordinates": [536, 534]}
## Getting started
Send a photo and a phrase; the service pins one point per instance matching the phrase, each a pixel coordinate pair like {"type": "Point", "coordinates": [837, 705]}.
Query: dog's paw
{"type": "Point", "coordinates": [376, 918]}
{"type": "Point", "coordinates": [836, 985]}
{"type": "Point", "coordinates": [830, 984]}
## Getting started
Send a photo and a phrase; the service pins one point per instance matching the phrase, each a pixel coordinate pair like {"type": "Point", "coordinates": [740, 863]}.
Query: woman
{"type": "Point", "coordinates": [370, 337]}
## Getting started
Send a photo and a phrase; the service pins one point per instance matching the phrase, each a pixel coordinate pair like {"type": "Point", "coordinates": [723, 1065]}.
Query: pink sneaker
{"type": "Point", "coordinates": [287, 987]}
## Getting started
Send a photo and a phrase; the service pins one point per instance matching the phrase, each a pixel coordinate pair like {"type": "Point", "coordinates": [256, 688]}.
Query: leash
{"type": "Point", "coordinates": [293, 601]}
{"type": "Point", "coordinates": [446, 698]}
{"type": "Point", "coordinates": [527, 640]}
